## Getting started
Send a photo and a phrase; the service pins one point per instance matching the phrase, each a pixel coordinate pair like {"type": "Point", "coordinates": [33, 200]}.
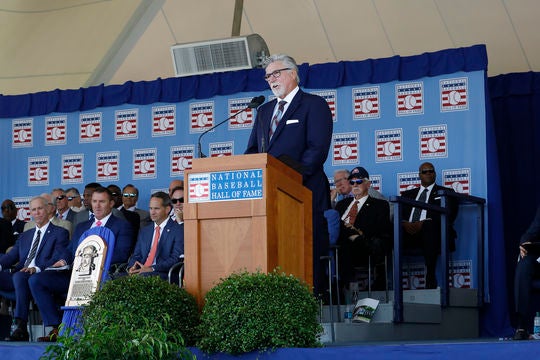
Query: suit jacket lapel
{"type": "Point", "coordinates": [290, 110]}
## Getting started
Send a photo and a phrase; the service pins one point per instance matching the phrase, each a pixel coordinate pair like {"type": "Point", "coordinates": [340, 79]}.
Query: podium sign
{"type": "Point", "coordinates": [226, 186]}
{"type": "Point", "coordinates": [245, 213]}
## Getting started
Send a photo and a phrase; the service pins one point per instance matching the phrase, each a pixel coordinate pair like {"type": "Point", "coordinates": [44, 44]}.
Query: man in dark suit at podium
{"type": "Point", "coordinates": [296, 128]}
{"type": "Point", "coordinates": [422, 228]}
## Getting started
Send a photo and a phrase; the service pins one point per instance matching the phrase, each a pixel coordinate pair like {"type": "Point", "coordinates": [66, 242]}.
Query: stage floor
{"type": "Point", "coordinates": [479, 349]}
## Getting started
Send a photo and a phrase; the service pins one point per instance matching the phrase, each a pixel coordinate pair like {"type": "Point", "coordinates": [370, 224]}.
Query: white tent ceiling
{"type": "Point", "coordinates": [66, 44]}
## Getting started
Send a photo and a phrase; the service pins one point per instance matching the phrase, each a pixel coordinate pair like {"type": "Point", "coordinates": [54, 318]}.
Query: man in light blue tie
{"type": "Point", "coordinates": [35, 250]}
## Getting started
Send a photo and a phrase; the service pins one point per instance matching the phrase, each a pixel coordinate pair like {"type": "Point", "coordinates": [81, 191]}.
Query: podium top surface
{"type": "Point", "coordinates": [240, 162]}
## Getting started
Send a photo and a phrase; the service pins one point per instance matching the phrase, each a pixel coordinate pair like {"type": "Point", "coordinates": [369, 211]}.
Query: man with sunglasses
{"type": "Point", "coordinates": [130, 196]}
{"type": "Point", "coordinates": [60, 200]}
{"type": "Point", "coordinates": [131, 216]}
{"type": "Point", "coordinates": [296, 128]}
{"type": "Point", "coordinates": [9, 213]}
{"type": "Point", "coordinates": [422, 228]}
{"type": "Point", "coordinates": [365, 227]}
{"type": "Point", "coordinates": [74, 199]}
{"type": "Point", "coordinates": [177, 201]}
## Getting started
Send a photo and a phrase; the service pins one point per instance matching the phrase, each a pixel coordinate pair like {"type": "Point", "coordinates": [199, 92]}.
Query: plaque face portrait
{"type": "Point", "coordinates": [87, 270]}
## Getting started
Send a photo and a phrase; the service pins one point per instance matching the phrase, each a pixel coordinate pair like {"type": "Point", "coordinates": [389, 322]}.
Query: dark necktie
{"type": "Point", "coordinates": [276, 118]}
{"type": "Point", "coordinates": [353, 212]}
{"type": "Point", "coordinates": [417, 211]}
{"type": "Point", "coordinates": [33, 250]}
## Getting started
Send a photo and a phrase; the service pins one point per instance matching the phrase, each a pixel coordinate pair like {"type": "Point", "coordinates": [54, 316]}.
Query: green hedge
{"type": "Point", "coordinates": [256, 311]}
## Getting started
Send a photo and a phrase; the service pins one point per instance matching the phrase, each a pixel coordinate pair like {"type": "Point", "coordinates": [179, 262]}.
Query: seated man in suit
{"type": "Point", "coordinates": [131, 216]}
{"type": "Point", "coordinates": [177, 201]}
{"type": "Point", "coordinates": [36, 250]}
{"type": "Point", "coordinates": [74, 199]}
{"type": "Point", "coordinates": [130, 196]}
{"type": "Point", "coordinates": [160, 244]}
{"type": "Point", "coordinates": [60, 201]}
{"type": "Point", "coordinates": [527, 269]}
{"type": "Point", "coordinates": [365, 227]}
{"type": "Point", "coordinates": [9, 212]}
{"type": "Point", "coordinates": [422, 228]}
{"type": "Point", "coordinates": [51, 213]}
{"type": "Point", "coordinates": [49, 285]}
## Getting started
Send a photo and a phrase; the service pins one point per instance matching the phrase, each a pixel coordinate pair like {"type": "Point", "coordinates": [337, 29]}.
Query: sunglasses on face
{"type": "Point", "coordinates": [356, 181]}
{"type": "Point", "coordinates": [70, 198]}
{"type": "Point", "coordinates": [61, 197]}
{"type": "Point", "coordinates": [128, 195]}
{"type": "Point", "coordinates": [174, 201]}
{"type": "Point", "coordinates": [427, 171]}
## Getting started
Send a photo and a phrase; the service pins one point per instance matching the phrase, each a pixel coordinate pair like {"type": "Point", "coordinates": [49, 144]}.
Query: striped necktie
{"type": "Point", "coordinates": [33, 250]}
{"type": "Point", "coordinates": [276, 118]}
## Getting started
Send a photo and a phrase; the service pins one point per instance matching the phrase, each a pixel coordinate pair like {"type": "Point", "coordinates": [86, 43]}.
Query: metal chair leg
{"type": "Point", "coordinates": [338, 296]}
{"type": "Point", "coordinates": [369, 276]}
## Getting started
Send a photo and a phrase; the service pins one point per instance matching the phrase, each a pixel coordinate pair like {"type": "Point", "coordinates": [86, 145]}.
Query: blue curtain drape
{"type": "Point", "coordinates": [323, 76]}
{"type": "Point", "coordinates": [515, 101]}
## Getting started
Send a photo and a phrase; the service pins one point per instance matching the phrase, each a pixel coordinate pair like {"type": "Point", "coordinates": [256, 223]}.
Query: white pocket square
{"type": "Point", "coordinates": [294, 121]}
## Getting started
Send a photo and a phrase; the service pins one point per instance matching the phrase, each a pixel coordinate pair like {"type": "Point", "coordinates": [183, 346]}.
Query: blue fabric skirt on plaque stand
{"type": "Point", "coordinates": [72, 317]}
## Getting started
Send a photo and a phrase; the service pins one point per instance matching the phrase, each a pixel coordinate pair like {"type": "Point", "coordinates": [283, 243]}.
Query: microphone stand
{"type": "Point", "coordinates": [255, 102]}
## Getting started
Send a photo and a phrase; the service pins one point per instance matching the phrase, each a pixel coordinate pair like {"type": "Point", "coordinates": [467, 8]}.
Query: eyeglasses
{"type": "Point", "coordinates": [72, 197]}
{"type": "Point", "coordinates": [114, 194]}
{"type": "Point", "coordinates": [356, 181]}
{"type": "Point", "coordinates": [427, 171]}
{"type": "Point", "coordinates": [129, 195]}
{"type": "Point", "coordinates": [174, 201]}
{"type": "Point", "coordinates": [61, 197]}
{"type": "Point", "coordinates": [275, 74]}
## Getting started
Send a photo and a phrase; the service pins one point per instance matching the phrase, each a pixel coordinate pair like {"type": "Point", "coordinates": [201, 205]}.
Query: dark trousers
{"type": "Point", "coordinates": [428, 242]}
{"type": "Point", "coordinates": [49, 288]}
{"type": "Point", "coordinates": [18, 282]}
{"type": "Point", "coordinates": [527, 270]}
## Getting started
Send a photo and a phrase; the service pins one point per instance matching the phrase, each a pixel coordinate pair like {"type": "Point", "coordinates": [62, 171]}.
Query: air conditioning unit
{"type": "Point", "coordinates": [242, 52]}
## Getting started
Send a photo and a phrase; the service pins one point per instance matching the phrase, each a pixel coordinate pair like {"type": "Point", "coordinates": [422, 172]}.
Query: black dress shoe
{"type": "Point", "coordinates": [53, 335]}
{"type": "Point", "coordinates": [521, 334]}
{"type": "Point", "coordinates": [19, 335]}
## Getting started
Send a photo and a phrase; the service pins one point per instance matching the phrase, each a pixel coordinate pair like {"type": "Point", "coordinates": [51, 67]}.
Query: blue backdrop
{"type": "Point", "coordinates": [389, 116]}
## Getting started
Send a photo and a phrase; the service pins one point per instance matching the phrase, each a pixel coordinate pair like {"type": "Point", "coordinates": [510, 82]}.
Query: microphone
{"type": "Point", "coordinates": [254, 103]}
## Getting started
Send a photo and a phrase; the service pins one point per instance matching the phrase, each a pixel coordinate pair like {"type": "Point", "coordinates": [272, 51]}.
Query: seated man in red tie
{"type": "Point", "coordinates": [365, 227]}
{"type": "Point", "coordinates": [160, 244]}
{"type": "Point", "coordinates": [35, 250]}
{"type": "Point", "coordinates": [48, 286]}
{"type": "Point", "coordinates": [422, 228]}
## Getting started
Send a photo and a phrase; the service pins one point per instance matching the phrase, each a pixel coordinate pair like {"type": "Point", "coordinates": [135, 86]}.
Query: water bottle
{"type": "Point", "coordinates": [347, 316]}
{"type": "Point", "coordinates": [13, 325]}
{"type": "Point", "coordinates": [536, 329]}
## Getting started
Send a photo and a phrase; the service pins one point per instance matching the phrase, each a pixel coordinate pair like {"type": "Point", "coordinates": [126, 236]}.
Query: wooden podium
{"type": "Point", "coordinates": [244, 212]}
